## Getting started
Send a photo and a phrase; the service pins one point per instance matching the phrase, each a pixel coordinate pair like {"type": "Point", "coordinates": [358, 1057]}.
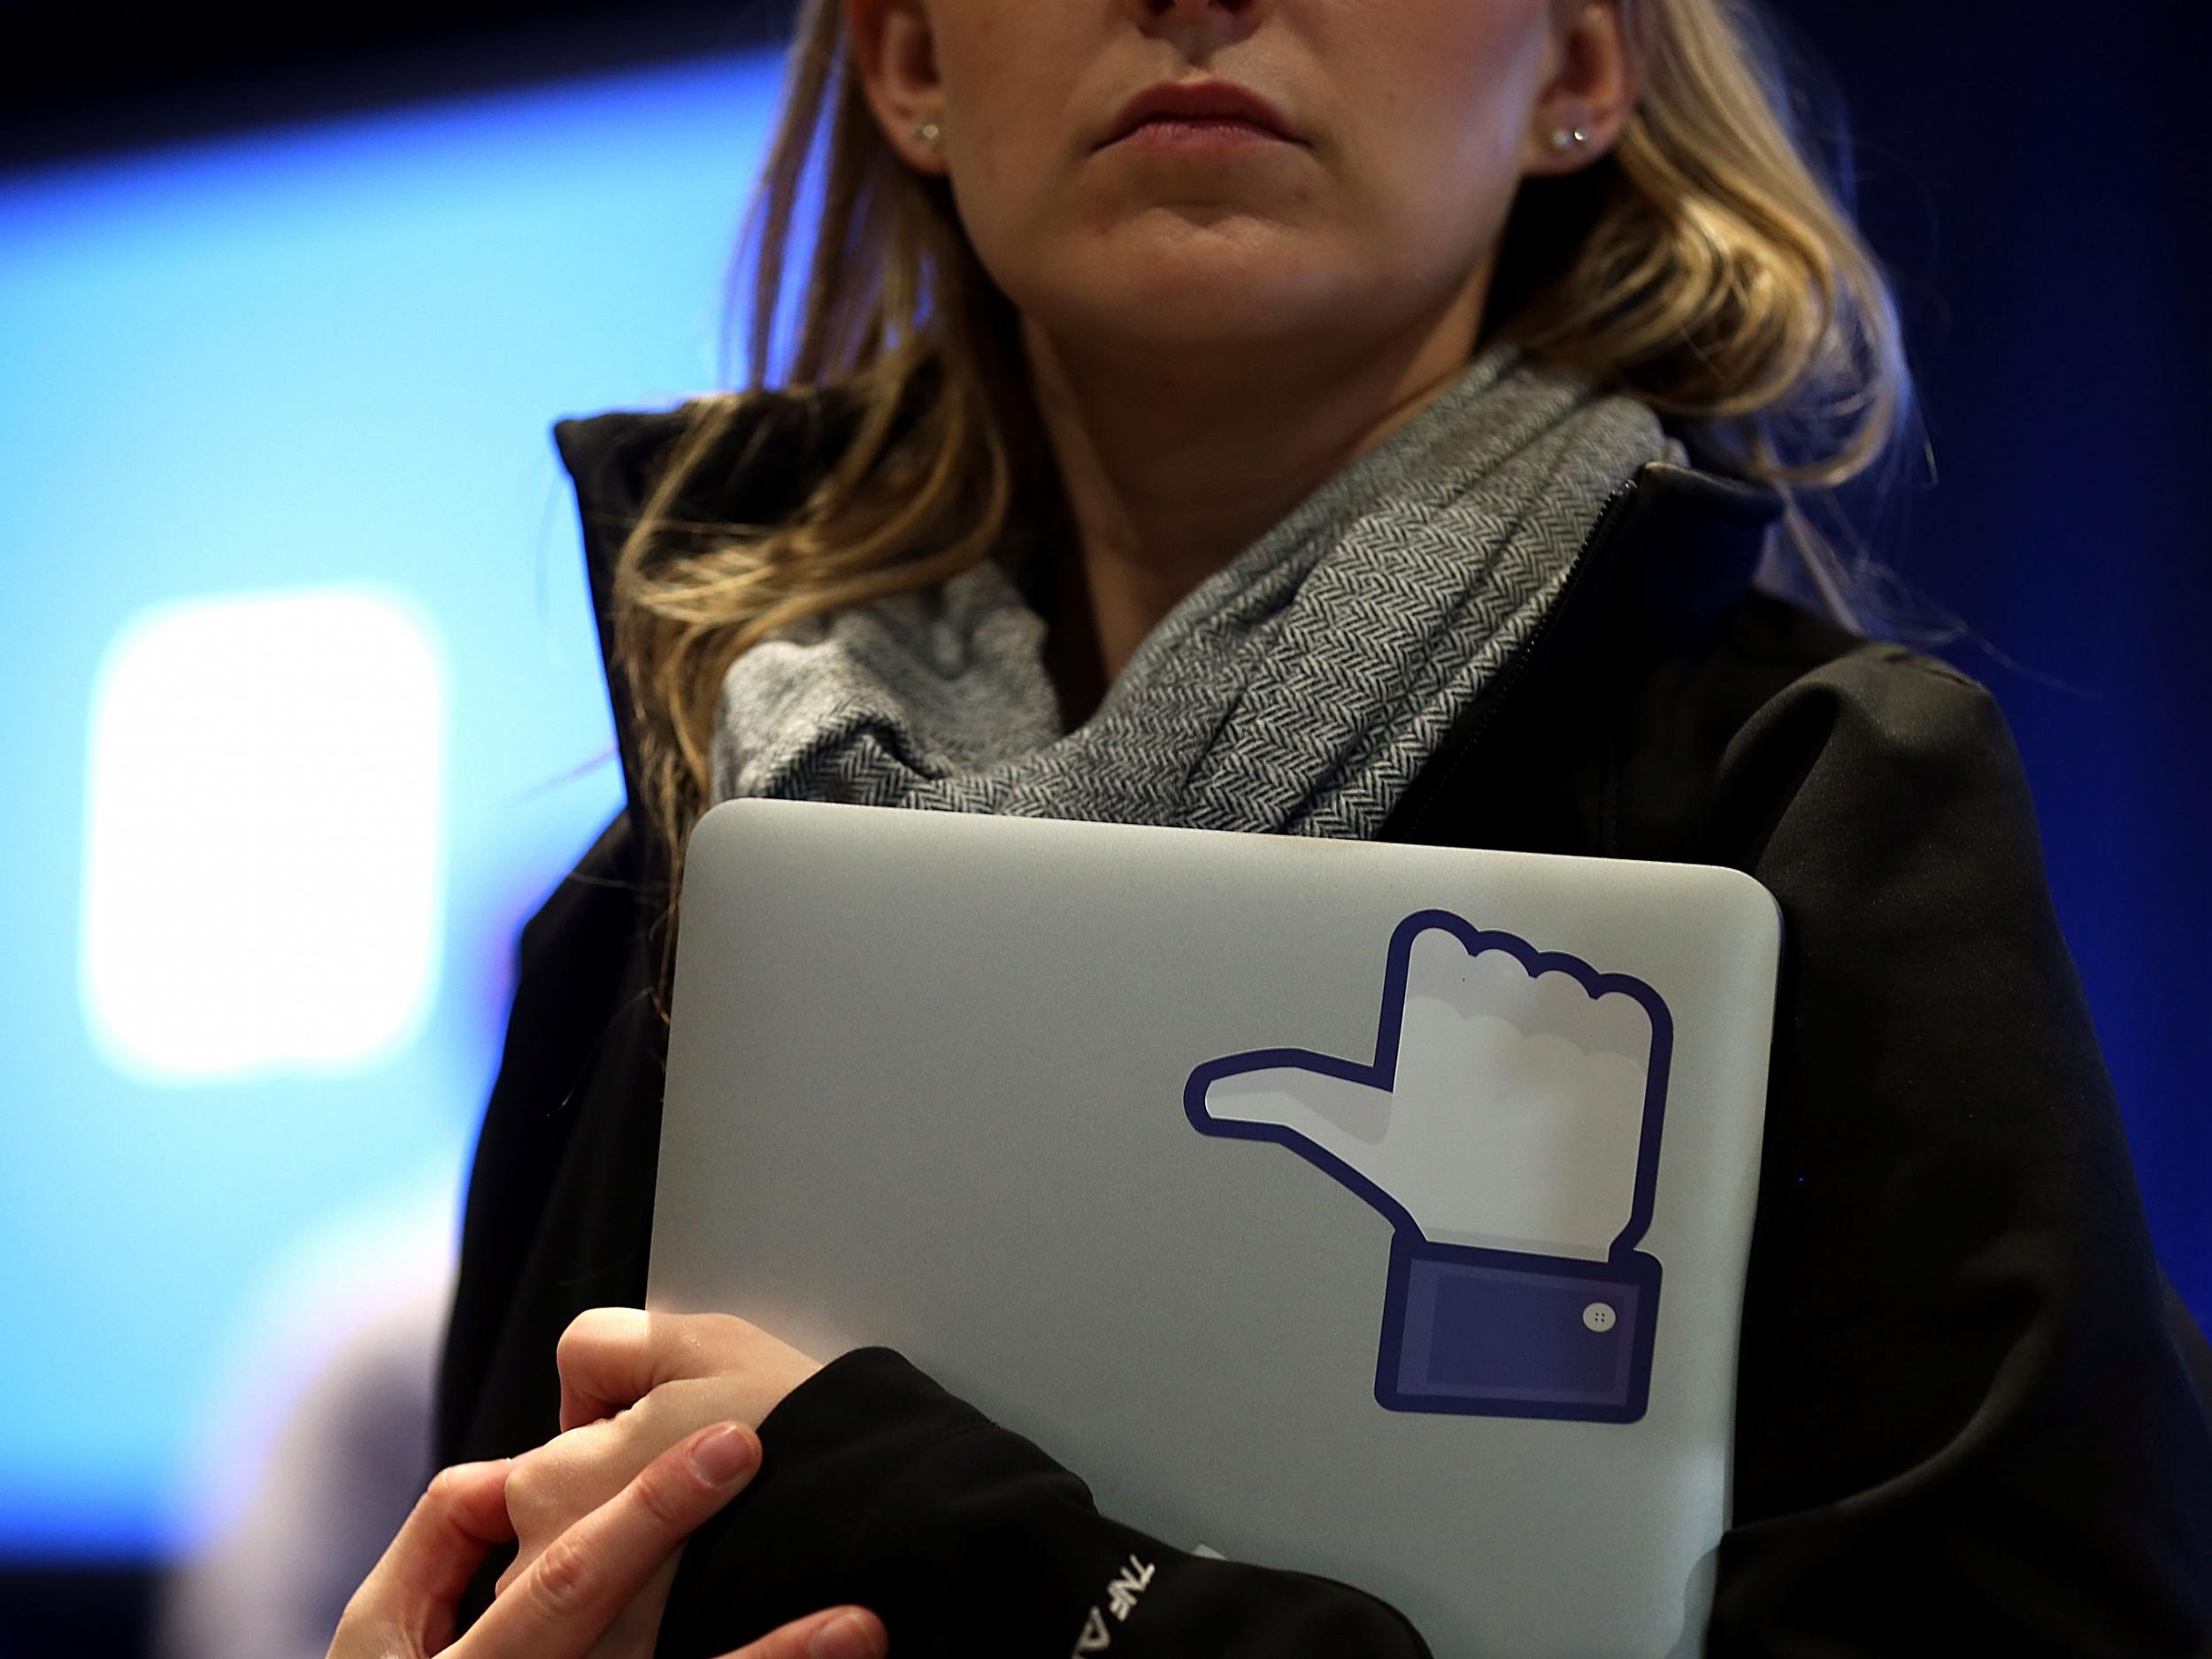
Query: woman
{"type": "Point", "coordinates": [1092, 427]}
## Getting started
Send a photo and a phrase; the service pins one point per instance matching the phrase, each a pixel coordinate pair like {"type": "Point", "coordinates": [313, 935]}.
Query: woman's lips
{"type": "Point", "coordinates": [1206, 131]}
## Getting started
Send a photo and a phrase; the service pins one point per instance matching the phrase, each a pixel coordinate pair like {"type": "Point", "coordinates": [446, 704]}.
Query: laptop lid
{"type": "Point", "coordinates": [1376, 1212]}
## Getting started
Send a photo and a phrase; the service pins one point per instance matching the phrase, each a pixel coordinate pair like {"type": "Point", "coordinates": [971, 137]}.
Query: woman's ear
{"type": "Point", "coordinates": [894, 56]}
{"type": "Point", "coordinates": [1597, 74]}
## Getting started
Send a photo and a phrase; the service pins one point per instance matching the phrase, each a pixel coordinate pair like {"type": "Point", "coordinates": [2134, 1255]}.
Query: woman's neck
{"type": "Point", "coordinates": [1170, 473]}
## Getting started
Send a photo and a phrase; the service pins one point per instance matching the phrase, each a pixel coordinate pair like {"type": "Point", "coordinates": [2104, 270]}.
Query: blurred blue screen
{"type": "Point", "coordinates": [302, 704]}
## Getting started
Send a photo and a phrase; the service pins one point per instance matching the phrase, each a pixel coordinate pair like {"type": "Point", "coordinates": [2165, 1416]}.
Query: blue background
{"type": "Point", "coordinates": [2039, 178]}
{"type": "Point", "coordinates": [332, 352]}
{"type": "Point", "coordinates": [312, 355]}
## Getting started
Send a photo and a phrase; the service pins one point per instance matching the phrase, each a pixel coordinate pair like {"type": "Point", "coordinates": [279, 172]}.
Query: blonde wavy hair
{"type": "Point", "coordinates": [1707, 265]}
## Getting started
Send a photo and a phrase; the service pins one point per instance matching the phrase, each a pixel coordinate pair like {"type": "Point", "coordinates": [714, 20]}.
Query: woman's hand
{"type": "Point", "coordinates": [405, 1608]}
{"type": "Point", "coordinates": [633, 1383]}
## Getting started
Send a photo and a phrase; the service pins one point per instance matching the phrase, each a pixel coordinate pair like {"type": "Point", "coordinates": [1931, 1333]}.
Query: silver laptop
{"type": "Point", "coordinates": [1376, 1212]}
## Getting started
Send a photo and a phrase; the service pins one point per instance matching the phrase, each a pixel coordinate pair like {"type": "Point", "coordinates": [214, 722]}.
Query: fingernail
{"type": "Point", "coordinates": [848, 1637]}
{"type": "Point", "coordinates": [725, 1455]}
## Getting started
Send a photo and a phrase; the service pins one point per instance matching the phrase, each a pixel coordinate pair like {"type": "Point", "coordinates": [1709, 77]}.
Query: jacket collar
{"type": "Point", "coordinates": [763, 469]}
{"type": "Point", "coordinates": [1686, 549]}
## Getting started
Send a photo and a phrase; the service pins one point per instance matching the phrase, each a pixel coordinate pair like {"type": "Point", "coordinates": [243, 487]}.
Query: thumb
{"type": "Point", "coordinates": [837, 1633]}
{"type": "Point", "coordinates": [1344, 1116]}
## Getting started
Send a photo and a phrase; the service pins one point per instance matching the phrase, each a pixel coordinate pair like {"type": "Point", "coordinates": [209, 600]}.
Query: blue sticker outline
{"type": "Point", "coordinates": [1624, 1263]}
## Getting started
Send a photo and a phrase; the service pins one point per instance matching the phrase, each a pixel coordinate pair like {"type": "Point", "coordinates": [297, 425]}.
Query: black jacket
{"type": "Point", "coordinates": [1971, 1416]}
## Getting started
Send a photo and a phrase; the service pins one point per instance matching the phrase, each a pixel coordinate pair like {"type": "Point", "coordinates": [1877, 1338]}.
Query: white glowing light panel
{"type": "Point", "coordinates": [262, 877]}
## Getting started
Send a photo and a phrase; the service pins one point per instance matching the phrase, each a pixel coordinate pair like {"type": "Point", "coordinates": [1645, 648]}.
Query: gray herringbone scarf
{"type": "Point", "coordinates": [1298, 689]}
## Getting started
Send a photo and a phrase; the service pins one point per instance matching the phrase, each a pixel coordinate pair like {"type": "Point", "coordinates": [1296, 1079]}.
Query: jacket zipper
{"type": "Point", "coordinates": [1450, 764]}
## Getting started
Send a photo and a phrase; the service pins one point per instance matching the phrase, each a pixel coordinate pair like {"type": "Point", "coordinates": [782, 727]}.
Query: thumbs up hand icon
{"type": "Point", "coordinates": [1509, 1126]}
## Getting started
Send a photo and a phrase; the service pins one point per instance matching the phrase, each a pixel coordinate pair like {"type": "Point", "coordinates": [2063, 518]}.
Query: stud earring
{"type": "Point", "coordinates": [928, 133]}
{"type": "Point", "coordinates": [1566, 138]}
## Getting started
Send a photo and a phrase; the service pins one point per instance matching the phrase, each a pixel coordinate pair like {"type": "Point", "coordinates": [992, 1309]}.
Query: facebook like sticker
{"type": "Point", "coordinates": [1509, 1126]}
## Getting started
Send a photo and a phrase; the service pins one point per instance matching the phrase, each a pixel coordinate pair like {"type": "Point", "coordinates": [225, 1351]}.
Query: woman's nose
{"type": "Point", "coordinates": [1231, 18]}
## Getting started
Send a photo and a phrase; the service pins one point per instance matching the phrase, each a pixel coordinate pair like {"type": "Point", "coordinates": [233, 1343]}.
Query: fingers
{"type": "Point", "coordinates": [607, 1360]}
{"type": "Point", "coordinates": [552, 1487]}
{"type": "Point", "coordinates": [570, 1594]}
{"type": "Point", "coordinates": [414, 1589]}
{"type": "Point", "coordinates": [610, 1358]}
{"type": "Point", "coordinates": [839, 1633]}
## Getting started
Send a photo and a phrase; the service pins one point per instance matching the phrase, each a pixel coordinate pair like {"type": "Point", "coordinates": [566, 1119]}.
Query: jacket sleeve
{"type": "Point", "coordinates": [877, 1487]}
{"type": "Point", "coordinates": [1964, 1425]}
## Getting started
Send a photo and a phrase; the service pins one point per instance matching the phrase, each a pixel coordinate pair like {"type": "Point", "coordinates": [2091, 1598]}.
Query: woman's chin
{"type": "Point", "coordinates": [1210, 313]}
